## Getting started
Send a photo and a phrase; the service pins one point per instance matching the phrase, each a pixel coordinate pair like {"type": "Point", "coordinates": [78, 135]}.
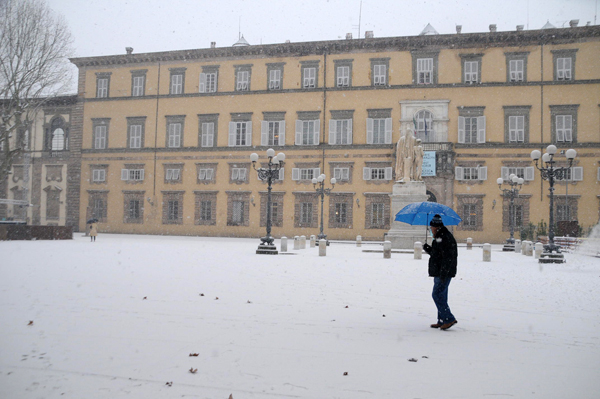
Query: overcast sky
{"type": "Point", "coordinates": [105, 27]}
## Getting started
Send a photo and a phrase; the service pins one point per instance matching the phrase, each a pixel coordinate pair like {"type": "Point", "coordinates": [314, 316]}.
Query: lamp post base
{"type": "Point", "coordinates": [266, 249]}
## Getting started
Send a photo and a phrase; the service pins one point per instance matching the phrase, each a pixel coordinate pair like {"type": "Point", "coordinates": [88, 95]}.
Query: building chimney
{"type": "Point", "coordinates": [458, 29]}
{"type": "Point", "coordinates": [493, 28]}
{"type": "Point", "coordinates": [520, 28]}
{"type": "Point", "coordinates": [287, 41]}
{"type": "Point", "coordinates": [348, 36]}
{"type": "Point", "coordinates": [213, 44]}
{"type": "Point", "coordinates": [589, 23]}
{"type": "Point", "coordinates": [369, 34]}
{"type": "Point", "coordinates": [573, 23]}
{"type": "Point", "coordinates": [129, 50]}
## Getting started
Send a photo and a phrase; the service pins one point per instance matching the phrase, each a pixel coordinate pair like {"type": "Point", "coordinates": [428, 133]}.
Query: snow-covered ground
{"type": "Point", "coordinates": [119, 318]}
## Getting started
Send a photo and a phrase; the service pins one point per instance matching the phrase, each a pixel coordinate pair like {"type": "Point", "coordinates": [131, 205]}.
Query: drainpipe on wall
{"type": "Point", "coordinates": [324, 105]}
{"type": "Point", "coordinates": [156, 133]}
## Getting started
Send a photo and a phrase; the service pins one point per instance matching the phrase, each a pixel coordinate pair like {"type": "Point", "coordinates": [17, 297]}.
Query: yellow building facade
{"type": "Point", "coordinates": [166, 137]}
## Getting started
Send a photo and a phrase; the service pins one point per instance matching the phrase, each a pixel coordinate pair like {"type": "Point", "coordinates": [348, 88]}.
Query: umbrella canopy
{"type": "Point", "coordinates": [421, 213]}
{"type": "Point", "coordinates": [92, 221]}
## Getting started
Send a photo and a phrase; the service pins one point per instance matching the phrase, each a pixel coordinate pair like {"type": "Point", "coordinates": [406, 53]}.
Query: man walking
{"type": "Point", "coordinates": [442, 267]}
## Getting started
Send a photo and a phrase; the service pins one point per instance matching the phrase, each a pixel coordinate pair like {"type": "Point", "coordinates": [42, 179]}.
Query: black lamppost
{"type": "Point", "coordinates": [511, 193]}
{"type": "Point", "coordinates": [319, 185]}
{"type": "Point", "coordinates": [550, 172]}
{"type": "Point", "coordinates": [268, 174]}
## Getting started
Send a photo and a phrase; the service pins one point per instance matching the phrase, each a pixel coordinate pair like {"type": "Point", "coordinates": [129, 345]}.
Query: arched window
{"type": "Point", "coordinates": [58, 136]}
{"type": "Point", "coordinates": [424, 126]}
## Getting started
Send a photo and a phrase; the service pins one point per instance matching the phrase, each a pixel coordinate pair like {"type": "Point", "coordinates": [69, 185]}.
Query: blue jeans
{"type": "Point", "coordinates": [440, 297]}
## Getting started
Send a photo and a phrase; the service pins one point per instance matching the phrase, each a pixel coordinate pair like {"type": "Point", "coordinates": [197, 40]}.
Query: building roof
{"type": "Point", "coordinates": [548, 25]}
{"type": "Point", "coordinates": [429, 30]}
{"type": "Point", "coordinates": [400, 43]}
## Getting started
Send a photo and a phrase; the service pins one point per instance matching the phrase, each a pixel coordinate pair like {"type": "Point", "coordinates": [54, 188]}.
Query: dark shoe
{"type": "Point", "coordinates": [448, 325]}
{"type": "Point", "coordinates": [436, 325]}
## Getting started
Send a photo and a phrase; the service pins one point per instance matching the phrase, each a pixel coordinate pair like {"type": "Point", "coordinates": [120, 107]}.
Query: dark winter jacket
{"type": "Point", "coordinates": [444, 254]}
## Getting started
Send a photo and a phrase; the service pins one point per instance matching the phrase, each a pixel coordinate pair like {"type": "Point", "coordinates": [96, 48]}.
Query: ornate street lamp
{"type": "Point", "coordinates": [268, 174]}
{"type": "Point", "coordinates": [511, 193]}
{"type": "Point", "coordinates": [550, 172]}
{"type": "Point", "coordinates": [319, 185]}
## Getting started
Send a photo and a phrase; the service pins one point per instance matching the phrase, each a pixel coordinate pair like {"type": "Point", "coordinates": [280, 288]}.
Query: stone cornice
{"type": "Point", "coordinates": [402, 43]}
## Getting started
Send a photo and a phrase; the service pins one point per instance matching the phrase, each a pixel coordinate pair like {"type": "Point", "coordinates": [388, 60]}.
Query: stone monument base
{"type": "Point", "coordinates": [402, 235]}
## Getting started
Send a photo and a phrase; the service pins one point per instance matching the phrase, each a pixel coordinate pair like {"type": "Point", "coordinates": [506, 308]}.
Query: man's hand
{"type": "Point", "coordinates": [426, 247]}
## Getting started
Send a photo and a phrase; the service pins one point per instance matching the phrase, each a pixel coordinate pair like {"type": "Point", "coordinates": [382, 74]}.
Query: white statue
{"type": "Point", "coordinates": [404, 156]}
{"type": "Point", "coordinates": [418, 161]}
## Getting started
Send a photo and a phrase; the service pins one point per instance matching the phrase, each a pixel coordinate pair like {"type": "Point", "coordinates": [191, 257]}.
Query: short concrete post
{"type": "Point", "coordinates": [302, 242]}
{"type": "Point", "coordinates": [387, 249]}
{"type": "Point", "coordinates": [529, 249]}
{"type": "Point", "coordinates": [313, 240]}
{"type": "Point", "coordinates": [358, 241]}
{"type": "Point", "coordinates": [517, 246]}
{"type": "Point", "coordinates": [539, 248]}
{"type": "Point", "coordinates": [524, 248]}
{"type": "Point", "coordinates": [296, 242]}
{"type": "Point", "coordinates": [322, 247]}
{"type": "Point", "coordinates": [418, 250]}
{"type": "Point", "coordinates": [487, 252]}
{"type": "Point", "coordinates": [284, 244]}
{"type": "Point", "coordinates": [469, 244]}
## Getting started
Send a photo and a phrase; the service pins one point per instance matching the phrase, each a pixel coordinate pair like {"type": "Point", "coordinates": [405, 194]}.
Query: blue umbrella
{"type": "Point", "coordinates": [421, 213]}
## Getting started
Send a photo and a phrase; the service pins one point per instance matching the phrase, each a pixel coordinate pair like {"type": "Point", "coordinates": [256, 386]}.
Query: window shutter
{"type": "Point", "coordinates": [598, 174]}
{"type": "Point", "coordinates": [202, 174]}
{"type": "Point", "coordinates": [388, 173]}
{"type": "Point", "coordinates": [577, 173]}
{"type": "Point", "coordinates": [458, 172]}
{"type": "Point", "coordinates": [209, 174]}
{"type": "Point", "coordinates": [482, 173]}
{"type": "Point", "coordinates": [235, 172]}
{"type": "Point", "coordinates": [232, 127]}
{"type": "Point", "coordinates": [388, 130]}
{"type": "Point", "coordinates": [264, 133]}
{"type": "Point", "coordinates": [124, 174]}
{"type": "Point", "coordinates": [461, 129]}
{"type": "Point", "coordinates": [369, 130]}
{"type": "Point", "coordinates": [337, 173]}
{"type": "Point", "coordinates": [560, 128]}
{"type": "Point", "coordinates": [295, 174]}
{"type": "Point", "coordinates": [481, 129]}
{"type": "Point", "coordinates": [316, 172]}
{"type": "Point", "coordinates": [332, 132]}
{"type": "Point", "coordinates": [298, 133]}
{"type": "Point", "coordinates": [568, 128]}
{"type": "Point", "coordinates": [243, 174]}
{"type": "Point", "coordinates": [142, 174]}
{"type": "Point", "coordinates": [350, 131]}
{"type": "Point", "coordinates": [317, 126]}
{"type": "Point", "coordinates": [366, 173]}
{"type": "Point", "coordinates": [345, 173]}
{"type": "Point", "coordinates": [281, 174]}
{"type": "Point", "coordinates": [281, 133]}
{"type": "Point", "coordinates": [249, 133]}
{"type": "Point", "coordinates": [529, 173]}
{"type": "Point", "coordinates": [210, 134]}
{"type": "Point", "coordinates": [504, 173]}
{"type": "Point", "coordinates": [202, 84]}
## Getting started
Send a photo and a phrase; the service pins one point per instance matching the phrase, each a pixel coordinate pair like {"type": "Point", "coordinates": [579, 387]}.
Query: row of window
{"type": "Point", "coordinates": [425, 72]}
{"type": "Point", "coordinates": [240, 173]}
{"type": "Point", "coordinates": [377, 209]}
{"type": "Point", "coordinates": [471, 128]}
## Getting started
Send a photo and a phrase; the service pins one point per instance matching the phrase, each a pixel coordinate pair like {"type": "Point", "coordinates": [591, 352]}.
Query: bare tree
{"type": "Point", "coordinates": [34, 68]}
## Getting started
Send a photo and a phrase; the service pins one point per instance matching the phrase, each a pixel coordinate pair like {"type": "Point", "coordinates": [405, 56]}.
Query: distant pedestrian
{"type": "Point", "coordinates": [442, 267]}
{"type": "Point", "coordinates": [93, 231]}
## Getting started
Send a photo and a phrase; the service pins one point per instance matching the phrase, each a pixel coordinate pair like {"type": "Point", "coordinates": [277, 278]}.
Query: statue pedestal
{"type": "Point", "coordinates": [402, 235]}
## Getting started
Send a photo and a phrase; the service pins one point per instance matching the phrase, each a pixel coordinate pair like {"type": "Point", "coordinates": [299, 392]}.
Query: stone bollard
{"type": "Point", "coordinates": [529, 249]}
{"type": "Point", "coordinates": [487, 252]}
{"type": "Point", "coordinates": [313, 240]}
{"type": "Point", "coordinates": [284, 244]}
{"type": "Point", "coordinates": [539, 248]}
{"type": "Point", "coordinates": [322, 247]}
{"type": "Point", "coordinates": [469, 244]}
{"type": "Point", "coordinates": [418, 250]}
{"type": "Point", "coordinates": [517, 246]}
{"type": "Point", "coordinates": [302, 242]}
{"type": "Point", "coordinates": [524, 247]}
{"type": "Point", "coordinates": [296, 242]}
{"type": "Point", "coordinates": [358, 241]}
{"type": "Point", "coordinates": [387, 249]}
